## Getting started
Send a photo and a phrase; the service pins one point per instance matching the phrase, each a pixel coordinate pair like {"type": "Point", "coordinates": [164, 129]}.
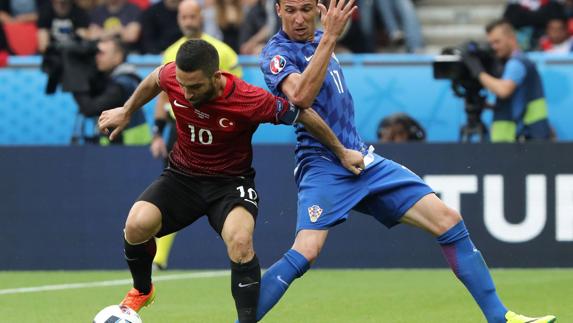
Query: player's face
{"type": "Point", "coordinates": [196, 86]}
{"type": "Point", "coordinates": [501, 41]}
{"type": "Point", "coordinates": [189, 19]}
{"type": "Point", "coordinates": [298, 18]}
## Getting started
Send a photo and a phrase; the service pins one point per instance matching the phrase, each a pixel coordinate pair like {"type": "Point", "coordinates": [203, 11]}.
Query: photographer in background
{"type": "Point", "coordinates": [520, 110]}
{"type": "Point", "coordinates": [111, 87]}
{"type": "Point", "coordinates": [400, 128]}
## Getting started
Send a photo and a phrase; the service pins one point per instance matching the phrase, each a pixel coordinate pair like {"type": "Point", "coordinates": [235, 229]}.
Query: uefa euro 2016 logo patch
{"type": "Point", "coordinates": [314, 212]}
{"type": "Point", "coordinates": [277, 64]}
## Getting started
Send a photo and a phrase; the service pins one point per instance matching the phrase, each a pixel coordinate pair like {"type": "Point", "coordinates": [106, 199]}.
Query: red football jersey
{"type": "Point", "coordinates": [215, 137]}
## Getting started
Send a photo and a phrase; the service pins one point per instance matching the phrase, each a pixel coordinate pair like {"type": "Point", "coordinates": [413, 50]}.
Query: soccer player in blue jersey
{"type": "Point", "coordinates": [299, 64]}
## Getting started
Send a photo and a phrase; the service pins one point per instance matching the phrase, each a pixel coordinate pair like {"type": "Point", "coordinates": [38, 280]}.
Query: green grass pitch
{"type": "Point", "coordinates": [342, 296]}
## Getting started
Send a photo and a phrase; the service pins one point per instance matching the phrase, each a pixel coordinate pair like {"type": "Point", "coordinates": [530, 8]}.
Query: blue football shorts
{"type": "Point", "coordinates": [327, 192]}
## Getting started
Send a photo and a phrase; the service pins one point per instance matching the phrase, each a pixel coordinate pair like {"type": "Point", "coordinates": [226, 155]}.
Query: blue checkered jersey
{"type": "Point", "coordinates": [281, 57]}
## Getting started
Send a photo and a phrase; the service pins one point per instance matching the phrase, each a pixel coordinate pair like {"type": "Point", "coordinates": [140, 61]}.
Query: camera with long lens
{"type": "Point", "coordinates": [71, 64]}
{"type": "Point", "coordinates": [450, 65]}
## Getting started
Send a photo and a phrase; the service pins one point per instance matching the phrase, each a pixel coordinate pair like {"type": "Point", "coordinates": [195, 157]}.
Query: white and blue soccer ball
{"type": "Point", "coordinates": [117, 314]}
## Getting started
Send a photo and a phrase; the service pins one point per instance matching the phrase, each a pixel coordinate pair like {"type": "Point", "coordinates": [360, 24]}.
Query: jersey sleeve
{"type": "Point", "coordinates": [276, 63]}
{"type": "Point", "coordinates": [514, 71]}
{"type": "Point", "coordinates": [163, 72]}
{"type": "Point", "coordinates": [271, 108]}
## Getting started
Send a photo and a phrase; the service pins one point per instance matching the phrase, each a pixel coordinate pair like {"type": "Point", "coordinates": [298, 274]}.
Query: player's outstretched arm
{"type": "Point", "coordinates": [302, 89]}
{"type": "Point", "coordinates": [313, 123]}
{"type": "Point", "coordinates": [118, 118]}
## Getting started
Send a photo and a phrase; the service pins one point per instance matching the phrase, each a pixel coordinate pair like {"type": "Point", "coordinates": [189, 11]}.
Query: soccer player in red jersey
{"type": "Point", "coordinates": [209, 171]}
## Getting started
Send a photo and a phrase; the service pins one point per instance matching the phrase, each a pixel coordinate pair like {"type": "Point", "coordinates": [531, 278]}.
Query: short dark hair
{"type": "Point", "coordinates": [324, 2]}
{"type": "Point", "coordinates": [498, 23]}
{"type": "Point", "coordinates": [118, 44]}
{"type": "Point", "coordinates": [558, 17]}
{"type": "Point", "coordinates": [410, 125]}
{"type": "Point", "coordinates": [197, 54]}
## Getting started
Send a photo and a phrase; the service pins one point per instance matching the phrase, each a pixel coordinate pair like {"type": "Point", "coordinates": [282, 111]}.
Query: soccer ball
{"type": "Point", "coordinates": [117, 314]}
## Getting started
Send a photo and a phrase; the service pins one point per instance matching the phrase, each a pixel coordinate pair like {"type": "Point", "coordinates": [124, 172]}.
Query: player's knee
{"type": "Point", "coordinates": [137, 231]}
{"type": "Point", "coordinates": [240, 246]}
{"type": "Point", "coordinates": [309, 251]}
{"type": "Point", "coordinates": [143, 222]}
{"type": "Point", "coordinates": [450, 218]}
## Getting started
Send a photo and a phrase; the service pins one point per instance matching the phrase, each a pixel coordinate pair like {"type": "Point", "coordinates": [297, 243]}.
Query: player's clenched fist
{"type": "Point", "coordinates": [116, 119]}
{"type": "Point", "coordinates": [353, 161]}
{"type": "Point", "coordinates": [336, 16]}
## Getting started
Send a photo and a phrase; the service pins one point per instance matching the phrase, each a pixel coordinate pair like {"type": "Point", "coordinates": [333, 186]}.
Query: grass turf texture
{"type": "Point", "coordinates": [320, 296]}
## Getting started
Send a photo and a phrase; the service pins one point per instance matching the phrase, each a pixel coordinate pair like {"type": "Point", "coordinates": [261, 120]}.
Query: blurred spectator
{"type": "Point", "coordinates": [260, 23]}
{"type": "Point", "coordinates": [16, 11]}
{"type": "Point", "coordinates": [557, 38]}
{"type": "Point", "coordinates": [209, 13]}
{"type": "Point", "coordinates": [3, 41]}
{"type": "Point", "coordinates": [229, 19]}
{"type": "Point", "coordinates": [111, 87]}
{"type": "Point", "coordinates": [529, 18]}
{"type": "Point", "coordinates": [352, 39]}
{"type": "Point", "coordinates": [61, 22]}
{"type": "Point", "coordinates": [399, 128]}
{"type": "Point", "coordinates": [19, 10]}
{"type": "Point", "coordinates": [87, 5]}
{"type": "Point", "coordinates": [160, 27]}
{"type": "Point", "coordinates": [399, 18]}
{"type": "Point", "coordinates": [568, 11]}
{"type": "Point", "coordinates": [116, 18]}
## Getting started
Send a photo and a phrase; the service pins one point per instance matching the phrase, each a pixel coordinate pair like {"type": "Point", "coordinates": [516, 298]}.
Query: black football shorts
{"type": "Point", "coordinates": [182, 198]}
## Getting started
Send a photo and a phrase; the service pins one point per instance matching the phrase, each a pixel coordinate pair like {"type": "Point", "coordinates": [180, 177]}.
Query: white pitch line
{"type": "Point", "coordinates": [118, 282]}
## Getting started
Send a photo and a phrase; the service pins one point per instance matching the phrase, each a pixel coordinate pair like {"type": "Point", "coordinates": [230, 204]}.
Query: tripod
{"type": "Point", "coordinates": [474, 127]}
{"type": "Point", "coordinates": [474, 103]}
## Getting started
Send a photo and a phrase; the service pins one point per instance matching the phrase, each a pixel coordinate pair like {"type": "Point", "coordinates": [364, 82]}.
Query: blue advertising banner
{"type": "Point", "coordinates": [64, 208]}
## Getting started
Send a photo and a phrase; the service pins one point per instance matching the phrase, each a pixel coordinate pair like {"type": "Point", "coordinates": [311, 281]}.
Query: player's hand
{"type": "Point", "coordinates": [158, 147]}
{"type": "Point", "coordinates": [334, 18]}
{"type": "Point", "coordinates": [116, 119]}
{"type": "Point", "coordinates": [352, 160]}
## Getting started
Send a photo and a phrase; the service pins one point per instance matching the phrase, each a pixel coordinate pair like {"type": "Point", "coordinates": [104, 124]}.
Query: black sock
{"type": "Point", "coordinates": [139, 259]}
{"type": "Point", "coordinates": [245, 286]}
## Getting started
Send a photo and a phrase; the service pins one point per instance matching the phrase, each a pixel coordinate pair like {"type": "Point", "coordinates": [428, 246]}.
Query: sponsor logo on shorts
{"type": "Point", "coordinates": [314, 213]}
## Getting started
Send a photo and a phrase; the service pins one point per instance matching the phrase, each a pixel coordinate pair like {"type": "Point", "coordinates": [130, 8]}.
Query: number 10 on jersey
{"type": "Point", "coordinates": [204, 136]}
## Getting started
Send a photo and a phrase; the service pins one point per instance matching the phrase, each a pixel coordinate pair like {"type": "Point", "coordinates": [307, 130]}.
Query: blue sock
{"type": "Point", "coordinates": [278, 278]}
{"type": "Point", "coordinates": [470, 268]}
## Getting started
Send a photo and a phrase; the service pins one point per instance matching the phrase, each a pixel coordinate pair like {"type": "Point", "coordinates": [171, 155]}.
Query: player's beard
{"type": "Point", "coordinates": [206, 96]}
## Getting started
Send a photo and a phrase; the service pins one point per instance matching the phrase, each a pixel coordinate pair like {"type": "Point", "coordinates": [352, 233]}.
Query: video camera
{"type": "Point", "coordinates": [70, 63]}
{"type": "Point", "coordinates": [450, 65]}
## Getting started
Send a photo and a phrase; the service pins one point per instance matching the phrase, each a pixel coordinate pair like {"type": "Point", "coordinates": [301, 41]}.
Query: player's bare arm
{"type": "Point", "coordinates": [118, 118]}
{"type": "Point", "coordinates": [302, 89]}
{"type": "Point", "coordinates": [313, 123]}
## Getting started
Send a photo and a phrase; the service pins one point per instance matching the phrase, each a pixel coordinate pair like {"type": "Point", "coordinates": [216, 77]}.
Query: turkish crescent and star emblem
{"type": "Point", "coordinates": [277, 64]}
{"type": "Point", "coordinates": [225, 123]}
{"type": "Point", "coordinates": [314, 212]}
